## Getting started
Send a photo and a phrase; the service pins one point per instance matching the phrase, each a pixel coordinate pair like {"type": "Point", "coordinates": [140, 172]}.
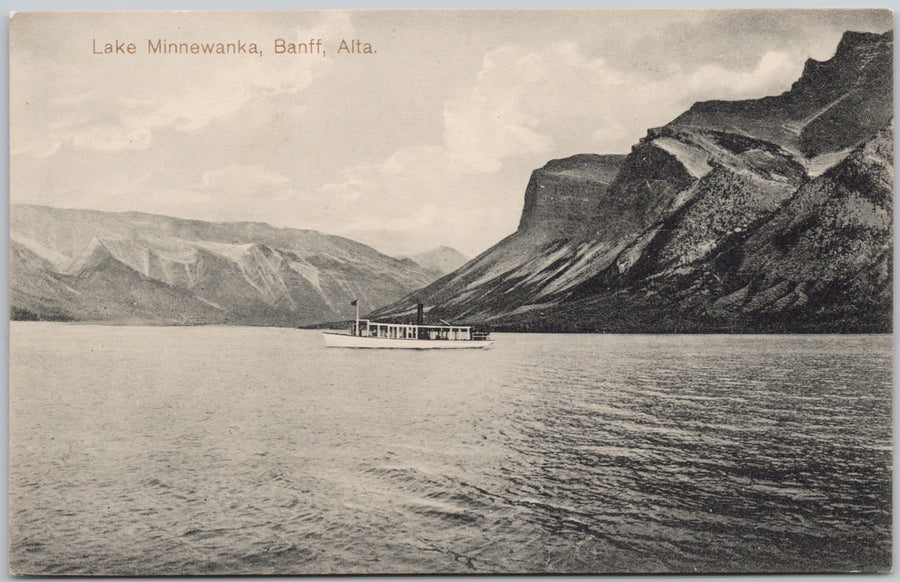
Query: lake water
{"type": "Point", "coordinates": [216, 450]}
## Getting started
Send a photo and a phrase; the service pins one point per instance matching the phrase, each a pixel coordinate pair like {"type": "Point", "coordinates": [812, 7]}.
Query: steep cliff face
{"type": "Point", "coordinates": [563, 196]}
{"type": "Point", "coordinates": [95, 266]}
{"type": "Point", "coordinates": [762, 215]}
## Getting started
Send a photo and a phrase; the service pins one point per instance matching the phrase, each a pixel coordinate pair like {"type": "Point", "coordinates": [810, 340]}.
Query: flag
{"type": "Point", "coordinates": [353, 302]}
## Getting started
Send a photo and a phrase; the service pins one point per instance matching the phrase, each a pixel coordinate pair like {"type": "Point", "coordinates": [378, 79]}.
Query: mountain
{"type": "Point", "coordinates": [440, 260]}
{"type": "Point", "coordinates": [833, 106]}
{"type": "Point", "coordinates": [86, 265]}
{"type": "Point", "coordinates": [766, 215]}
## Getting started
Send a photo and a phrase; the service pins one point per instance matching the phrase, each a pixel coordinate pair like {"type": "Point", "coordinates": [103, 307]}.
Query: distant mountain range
{"type": "Point", "coordinates": [439, 261]}
{"type": "Point", "coordinates": [83, 265]}
{"type": "Point", "coordinates": [764, 215]}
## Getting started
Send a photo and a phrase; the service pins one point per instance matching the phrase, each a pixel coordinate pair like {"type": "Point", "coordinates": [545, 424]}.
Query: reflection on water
{"type": "Point", "coordinates": [252, 450]}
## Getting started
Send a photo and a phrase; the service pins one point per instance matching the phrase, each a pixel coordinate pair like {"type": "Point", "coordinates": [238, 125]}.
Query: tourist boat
{"type": "Point", "coordinates": [418, 336]}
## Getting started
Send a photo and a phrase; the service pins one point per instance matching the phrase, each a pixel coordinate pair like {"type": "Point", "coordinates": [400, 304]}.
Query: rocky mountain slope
{"type": "Point", "coordinates": [772, 214]}
{"type": "Point", "coordinates": [139, 268]}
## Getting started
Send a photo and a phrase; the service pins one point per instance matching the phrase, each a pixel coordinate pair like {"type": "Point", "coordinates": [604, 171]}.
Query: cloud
{"type": "Point", "coordinates": [486, 123]}
{"type": "Point", "coordinates": [243, 177]}
{"type": "Point", "coordinates": [124, 110]}
{"type": "Point", "coordinates": [492, 120]}
{"type": "Point", "coordinates": [773, 74]}
{"type": "Point", "coordinates": [249, 191]}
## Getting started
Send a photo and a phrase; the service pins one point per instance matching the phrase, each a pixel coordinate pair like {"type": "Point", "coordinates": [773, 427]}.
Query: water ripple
{"type": "Point", "coordinates": [546, 454]}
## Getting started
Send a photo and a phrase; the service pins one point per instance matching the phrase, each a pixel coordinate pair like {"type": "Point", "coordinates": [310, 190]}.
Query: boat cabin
{"type": "Point", "coordinates": [410, 331]}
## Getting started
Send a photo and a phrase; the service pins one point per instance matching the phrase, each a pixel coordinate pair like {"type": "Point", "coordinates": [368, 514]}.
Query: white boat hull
{"type": "Point", "coordinates": [341, 340]}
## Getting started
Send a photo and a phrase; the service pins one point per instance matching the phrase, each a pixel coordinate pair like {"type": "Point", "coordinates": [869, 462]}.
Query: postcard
{"type": "Point", "coordinates": [450, 291]}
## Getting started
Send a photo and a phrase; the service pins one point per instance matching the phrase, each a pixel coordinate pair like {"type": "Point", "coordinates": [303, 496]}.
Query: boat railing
{"type": "Point", "coordinates": [366, 328]}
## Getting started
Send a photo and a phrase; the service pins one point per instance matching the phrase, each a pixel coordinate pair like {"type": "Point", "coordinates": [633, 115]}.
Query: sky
{"type": "Point", "coordinates": [429, 140]}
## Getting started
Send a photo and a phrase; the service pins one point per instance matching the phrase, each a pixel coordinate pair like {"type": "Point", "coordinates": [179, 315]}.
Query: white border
{"type": "Point", "coordinates": [23, 5]}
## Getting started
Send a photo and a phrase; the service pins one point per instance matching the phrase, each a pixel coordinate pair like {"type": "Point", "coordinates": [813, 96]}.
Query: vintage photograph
{"type": "Point", "coordinates": [318, 292]}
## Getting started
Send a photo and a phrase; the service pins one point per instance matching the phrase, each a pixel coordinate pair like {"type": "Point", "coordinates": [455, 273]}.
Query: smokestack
{"type": "Point", "coordinates": [420, 314]}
